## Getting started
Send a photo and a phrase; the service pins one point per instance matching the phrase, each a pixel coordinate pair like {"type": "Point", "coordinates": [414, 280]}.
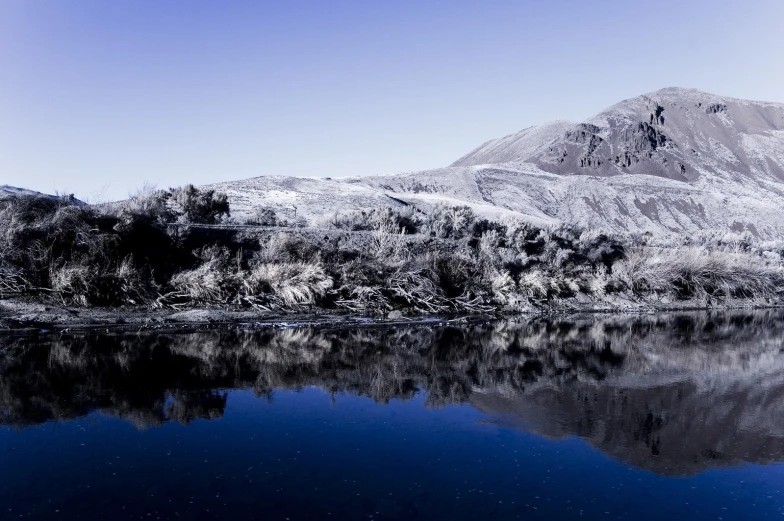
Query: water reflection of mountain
{"type": "Point", "coordinates": [675, 394]}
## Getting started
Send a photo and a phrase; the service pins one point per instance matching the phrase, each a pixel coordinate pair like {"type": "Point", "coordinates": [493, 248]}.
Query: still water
{"type": "Point", "coordinates": [655, 417]}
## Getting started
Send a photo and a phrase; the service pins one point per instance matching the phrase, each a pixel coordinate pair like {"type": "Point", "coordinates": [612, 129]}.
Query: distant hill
{"type": "Point", "coordinates": [675, 160]}
{"type": "Point", "coordinates": [6, 190]}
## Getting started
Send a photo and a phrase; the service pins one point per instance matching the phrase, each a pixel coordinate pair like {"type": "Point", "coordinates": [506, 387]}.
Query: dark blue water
{"type": "Point", "coordinates": [312, 426]}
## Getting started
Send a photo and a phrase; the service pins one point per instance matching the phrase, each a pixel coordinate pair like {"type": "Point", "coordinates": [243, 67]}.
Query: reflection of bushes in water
{"type": "Point", "coordinates": [187, 406]}
{"type": "Point", "coordinates": [153, 378]}
{"type": "Point", "coordinates": [127, 377]}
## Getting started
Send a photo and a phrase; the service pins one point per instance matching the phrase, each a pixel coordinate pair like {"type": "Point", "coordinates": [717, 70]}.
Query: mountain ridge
{"type": "Point", "coordinates": [8, 190]}
{"type": "Point", "coordinates": [670, 161]}
{"type": "Point", "coordinates": [514, 147]}
{"type": "Point", "coordinates": [675, 160]}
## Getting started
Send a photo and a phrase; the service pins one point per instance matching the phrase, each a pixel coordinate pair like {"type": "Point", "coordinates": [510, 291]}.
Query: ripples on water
{"type": "Point", "coordinates": [613, 418]}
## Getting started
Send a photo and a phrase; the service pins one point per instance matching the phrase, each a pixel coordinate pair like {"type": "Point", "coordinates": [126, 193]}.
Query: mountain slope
{"type": "Point", "coordinates": [676, 160]}
{"type": "Point", "coordinates": [6, 190]}
{"type": "Point", "coordinates": [516, 147]}
{"type": "Point", "coordinates": [680, 134]}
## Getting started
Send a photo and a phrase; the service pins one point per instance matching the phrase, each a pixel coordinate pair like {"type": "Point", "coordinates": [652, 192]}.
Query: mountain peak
{"type": "Point", "coordinates": [679, 91]}
{"type": "Point", "coordinates": [674, 132]}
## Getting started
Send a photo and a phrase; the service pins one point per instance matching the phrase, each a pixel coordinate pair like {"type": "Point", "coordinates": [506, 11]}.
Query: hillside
{"type": "Point", "coordinates": [680, 134]}
{"type": "Point", "coordinates": [6, 190]}
{"type": "Point", "coordinates": [516, 147]}
{"type": "Point", "coordinates": [13, 191]}
{"type": "Point", "coordinates": [670, 161]}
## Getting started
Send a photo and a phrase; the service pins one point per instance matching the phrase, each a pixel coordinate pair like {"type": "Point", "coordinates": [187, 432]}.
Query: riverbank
{"type": "Point", "coordinates": [176, 258]}
{"type": "Point", "coordinates": [19, 317]}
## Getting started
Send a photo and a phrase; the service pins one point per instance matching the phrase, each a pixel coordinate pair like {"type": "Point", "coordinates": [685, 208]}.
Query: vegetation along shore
{"type": "Point", "coordinates": [177, 250]}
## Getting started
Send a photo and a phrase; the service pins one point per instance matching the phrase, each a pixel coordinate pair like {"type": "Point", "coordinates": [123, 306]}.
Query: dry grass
{"type": "Point", "coordinates": [697, 271]}
{"type": "Point", "coordinates": [388, 241]}
{"type": "Point", "coordinates": [291, 284]}
{"type": "Point", "coordinates": [148, 202]}
{"type": "Point", "coordinates": [215, 279]}
{"type": "Point", "coordinates": [444, 262]}
{"type": "Point", "coordinates": [12, 280]}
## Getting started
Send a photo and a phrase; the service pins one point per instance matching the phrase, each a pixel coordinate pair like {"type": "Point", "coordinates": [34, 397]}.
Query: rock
{"type": "Point", "coordinates": [395, 315]}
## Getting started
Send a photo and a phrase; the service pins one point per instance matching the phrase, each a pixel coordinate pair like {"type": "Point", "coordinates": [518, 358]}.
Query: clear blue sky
{"type": "Point", "coordinates": [107, 94]}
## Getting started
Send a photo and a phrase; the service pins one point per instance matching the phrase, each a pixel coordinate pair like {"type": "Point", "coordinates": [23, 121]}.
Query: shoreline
{"type": "Point", "coordinates": [24, 318]}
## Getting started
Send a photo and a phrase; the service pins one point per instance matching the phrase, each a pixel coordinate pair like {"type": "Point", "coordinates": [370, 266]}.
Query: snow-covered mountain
{"type": "Point", "coordinates": [669, 161]}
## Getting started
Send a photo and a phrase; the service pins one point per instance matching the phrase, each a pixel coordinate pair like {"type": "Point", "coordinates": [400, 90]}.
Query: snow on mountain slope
{"type": "Point", "coordinates": [516, 147]}
{"type": "Point", "coordinates": [671, 161]}
{"type": "Point", "coordinates": [6, 190]}
{"type": "Point", "coordinates": [313, 199]}
{"type": "Point", "coordinates": [621, 203]}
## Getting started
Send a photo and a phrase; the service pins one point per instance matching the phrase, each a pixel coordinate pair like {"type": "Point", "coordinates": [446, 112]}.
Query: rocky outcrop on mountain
{"type": "Point", "coordinates": [679, 134]}
{"type": "Point", "coordinates": [674, 133]}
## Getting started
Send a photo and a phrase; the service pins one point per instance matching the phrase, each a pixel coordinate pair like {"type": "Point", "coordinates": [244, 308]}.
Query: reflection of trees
{"type": "Point", "coordinates": [631, 386]}
{"type": "Point", "coordinates": [691, 393]}
{"type": "Point", "coordinates": [187, 406]}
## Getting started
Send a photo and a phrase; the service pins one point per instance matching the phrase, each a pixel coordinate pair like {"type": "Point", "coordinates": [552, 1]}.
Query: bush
{"type": "Point", "coordinates": [286, 247]}
{"type": "Point", "coordinates": [292, 284]}
{"type": "Point", "coordinates": [38, 232]}
{"type": "Point", "coordinates": [405, 219]}
{"type": "Point", "coordinates": [447, 261]}
{"type": "Point", "coordinates": [449, 222]}
{"type": "Point", "coordinates": [201, 206]}
{"type": "Point", "coordinates": [86, 255]}
{"type": "Point", "coordinates": [696, 271]}
{"type": "Point", "coordinates": [147, 204]}
{"type": "Point", "coordinates": [264, 217]}
{"type": "Point", "coordinates": [215, 279]}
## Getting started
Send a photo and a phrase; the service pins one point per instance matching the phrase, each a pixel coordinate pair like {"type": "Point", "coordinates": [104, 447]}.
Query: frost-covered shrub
{"type": "Point", "coordinates": [455, 273]}
{"type": "Point", "coordinates": [388, 241]}
{"type": "Point", "coordinates": [145, 204]}
{"type": "Point", "coordinates": [294, 283]}
{"type": "Point", "coordinates": [216, 277]}
{"type": "Point", "coordinates": [75, 252]}
{"type": "Point", "coordinates": [263, 216]}
{"type": "Point", "coordinates": [201, 206]}
{"type": "Point", "coordinates": [696, 271]}
{"type": "Point", "coordinates": [405, 219]}
{"type": "Point", "coordinates": [85, 285]}
{"type": "Point", "coordinates": [536, 284]}
{"type": "Point", "coordinates": [286, 247]}
{"type": "Point", "coordinates": [452, 222]}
